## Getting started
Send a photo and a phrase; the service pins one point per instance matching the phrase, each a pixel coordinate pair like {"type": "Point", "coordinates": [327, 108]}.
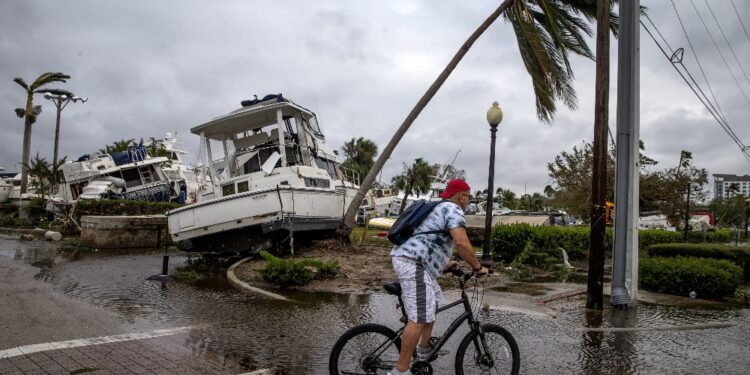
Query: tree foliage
{"type": "Point", "coordinates": [415, 179]}
{"type": "Point", "coordinates": [30, 112]}
{"type": "Point", "coordinates": [360, 154]}
{"type": "Point", "coordinates": [662, 190]}
{"type": "Point", "coordinates": [42, 173]}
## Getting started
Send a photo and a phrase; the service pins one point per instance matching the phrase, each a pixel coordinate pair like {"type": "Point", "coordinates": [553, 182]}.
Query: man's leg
{"type": "Point", "coordinates": [409, 340]}
{"type": "Point", "coordinates": [426, 334]}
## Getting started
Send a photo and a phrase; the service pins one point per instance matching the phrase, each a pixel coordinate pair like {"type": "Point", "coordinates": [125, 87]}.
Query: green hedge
{"type": "Point", "coordinates": [122, 207]}
{"type": "Point", "coordinates": [286, 272]}
{"type": "Point", "coordinates": [681, 275]}
{"type": "Point", "coordinates": [509, 240]}
{"type": "Point", "coordinates": [737, 255]}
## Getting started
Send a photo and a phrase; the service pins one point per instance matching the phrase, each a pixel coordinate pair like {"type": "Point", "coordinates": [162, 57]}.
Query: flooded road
{"type": "Point", "coordinates": [253, 332]}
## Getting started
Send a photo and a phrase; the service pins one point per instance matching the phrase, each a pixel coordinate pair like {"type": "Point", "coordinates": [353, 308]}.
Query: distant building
{"type": "Point", "coordinates": [728, 185]}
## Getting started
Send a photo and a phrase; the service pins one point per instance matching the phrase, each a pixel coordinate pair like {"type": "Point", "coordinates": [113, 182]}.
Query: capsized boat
{"type": "Point", "coordinates": [131, 174]}
{"type": "Point", "coordinates": [277, 180]}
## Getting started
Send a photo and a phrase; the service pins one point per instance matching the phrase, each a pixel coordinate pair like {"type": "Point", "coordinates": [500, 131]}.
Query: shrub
{"type": "Point", "coordinates": [737, 255]}
{"type": "Point", "coordinates": [287, 272]}
{"type": "Point", "coordinates": [542, 258]}
{"type": "Point", "coordinates": [122, 207]}
{"type": "Point", "coordinates": [509, 240]}
{"type": "Point", "coordinates": [681, 275]}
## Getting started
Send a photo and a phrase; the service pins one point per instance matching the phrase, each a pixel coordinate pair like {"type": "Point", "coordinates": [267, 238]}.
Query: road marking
{"type": "Point", "coordinates": [36, 348]}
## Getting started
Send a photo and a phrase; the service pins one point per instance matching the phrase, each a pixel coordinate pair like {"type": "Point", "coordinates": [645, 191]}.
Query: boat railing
{"type": "Point", "coordinates": [349, 175]}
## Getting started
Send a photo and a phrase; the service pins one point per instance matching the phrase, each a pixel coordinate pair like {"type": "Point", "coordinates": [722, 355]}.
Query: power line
{"type": "Point", "coordinates": [720, 53]}
{"type": "Point", "coordinates": [727, 41]}
{"type": "Point", "coordinates": [740, 19]}
{"type": "Point", "coordinates": [675, 57]}
{"type": "Point", "coordinates": [695, 55]}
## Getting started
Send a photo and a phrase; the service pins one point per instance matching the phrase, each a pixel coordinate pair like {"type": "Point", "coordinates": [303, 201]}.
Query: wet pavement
{"type": "Point", "coordinates": [234, 332]}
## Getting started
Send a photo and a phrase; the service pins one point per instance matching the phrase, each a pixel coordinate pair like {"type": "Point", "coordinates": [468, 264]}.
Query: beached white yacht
{"type": "Point", "coordinates": [277, 179]}
{"type": "Point", "coordinates": [130, 174]}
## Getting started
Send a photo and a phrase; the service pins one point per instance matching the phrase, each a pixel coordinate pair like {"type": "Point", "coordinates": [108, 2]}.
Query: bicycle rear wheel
{"type": "Point", "coordinates": [494, 351]}
{"type": "Point", "coordinates": [356, 351]}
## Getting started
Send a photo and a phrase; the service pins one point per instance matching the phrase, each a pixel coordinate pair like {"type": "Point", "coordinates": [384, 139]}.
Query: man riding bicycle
{"type": "Point", "coordinates": [418, 262]}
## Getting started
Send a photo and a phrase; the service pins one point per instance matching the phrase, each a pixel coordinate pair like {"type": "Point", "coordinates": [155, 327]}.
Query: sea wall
{"type": "Point", "coordinates": [110, 232]}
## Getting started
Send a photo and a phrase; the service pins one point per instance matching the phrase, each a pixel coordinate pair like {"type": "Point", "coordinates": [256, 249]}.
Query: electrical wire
{"type": "Point", "coordinates": [695, 55]}
{"type": "Point", "coordinates": [726, 40]}
{"type": "Point", "coordinates": [677, 64]}
{"type": "Point", "coordinates": [740, 19]}
{"type": "Point", "coordinates": [720, 53]}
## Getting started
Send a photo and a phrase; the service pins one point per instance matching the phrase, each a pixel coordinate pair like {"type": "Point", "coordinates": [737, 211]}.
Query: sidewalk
{"type": "Point", "coordinates": [161, 356]}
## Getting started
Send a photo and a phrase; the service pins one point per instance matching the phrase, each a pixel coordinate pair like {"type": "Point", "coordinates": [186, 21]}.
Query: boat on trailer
{"type": "Point", "coordinates": [276, 180]}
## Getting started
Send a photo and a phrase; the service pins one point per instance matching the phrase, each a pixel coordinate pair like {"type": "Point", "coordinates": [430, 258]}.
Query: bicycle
{"type": "Point", "coordinates": [373, 348]}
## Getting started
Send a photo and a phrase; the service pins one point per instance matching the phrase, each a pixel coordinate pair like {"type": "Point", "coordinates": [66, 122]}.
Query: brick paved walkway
{"type": "Point", "coordinates": [159, 356]}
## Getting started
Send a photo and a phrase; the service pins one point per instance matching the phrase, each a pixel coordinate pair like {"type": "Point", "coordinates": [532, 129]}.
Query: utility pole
{"type": "Point", "coordinates": [687, 213]}
{"type": "Point", "coordinates": [597, 236]}
{"type": "Point", "coordinates": [625, 253]}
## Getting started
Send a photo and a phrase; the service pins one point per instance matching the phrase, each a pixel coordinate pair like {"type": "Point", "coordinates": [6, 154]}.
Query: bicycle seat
{"type": "Point", "coordinates": [392, 287]}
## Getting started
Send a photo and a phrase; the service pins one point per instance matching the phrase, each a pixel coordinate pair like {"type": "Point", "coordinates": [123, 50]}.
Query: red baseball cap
{"type": "Point", "coordinates": [455, 186]}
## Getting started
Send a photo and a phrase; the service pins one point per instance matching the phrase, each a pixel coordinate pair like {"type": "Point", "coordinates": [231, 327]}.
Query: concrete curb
{"type": "Point", "coordinates": [239, 284]}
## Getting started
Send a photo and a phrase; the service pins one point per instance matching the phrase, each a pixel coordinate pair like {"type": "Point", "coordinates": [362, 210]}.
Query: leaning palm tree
{"type": "Point", "coordinates": [415, 179]}
{"type": "Point", "coordinates": [31, 111]}
{"type": "Point", "coordinates": [546, 32]}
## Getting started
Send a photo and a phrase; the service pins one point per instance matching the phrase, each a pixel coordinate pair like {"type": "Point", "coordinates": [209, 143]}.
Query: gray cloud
{"type": "Point", "coordinates": [153, 67]}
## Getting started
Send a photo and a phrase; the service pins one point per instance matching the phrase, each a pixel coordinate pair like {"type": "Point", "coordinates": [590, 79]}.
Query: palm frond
{"type": "Point", "coordinates": [21, 82]}
{"type": "Point", "coordinates": [47, 78]}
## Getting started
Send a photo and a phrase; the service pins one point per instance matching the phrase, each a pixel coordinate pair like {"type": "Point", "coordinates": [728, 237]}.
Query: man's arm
{"type": "Point", "coordinates": [466, 251]}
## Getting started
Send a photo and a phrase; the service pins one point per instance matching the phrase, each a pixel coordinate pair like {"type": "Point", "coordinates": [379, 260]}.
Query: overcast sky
{"type": "Point", "coordinates": [150, 67]}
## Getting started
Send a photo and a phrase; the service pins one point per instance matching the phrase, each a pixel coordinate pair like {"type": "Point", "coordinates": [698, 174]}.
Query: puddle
{"type": "Point", "coordinates": [524, 288]}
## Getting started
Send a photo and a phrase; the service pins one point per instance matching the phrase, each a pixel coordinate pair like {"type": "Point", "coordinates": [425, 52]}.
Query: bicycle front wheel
{"type": "Point", "coordinates": [366, 349]}
{"type": "Point", "coordinates": [494, 351]}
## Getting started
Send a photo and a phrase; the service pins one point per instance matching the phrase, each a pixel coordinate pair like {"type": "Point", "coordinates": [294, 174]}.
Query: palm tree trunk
{"type": "Point", "coordinates": [403, 202]}
{"type": "Point", "coordinates": [351, 212]}
{"type": "Point", "coordinates": [26, 154]}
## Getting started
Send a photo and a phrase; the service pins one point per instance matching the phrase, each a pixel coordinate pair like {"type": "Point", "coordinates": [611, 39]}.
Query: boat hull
{"type": "Point", "coordinates": [241, 222]}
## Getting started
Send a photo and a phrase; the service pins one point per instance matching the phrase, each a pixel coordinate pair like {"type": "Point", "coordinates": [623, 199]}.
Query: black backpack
{"type": "Point", "coordinates": [405, 225]}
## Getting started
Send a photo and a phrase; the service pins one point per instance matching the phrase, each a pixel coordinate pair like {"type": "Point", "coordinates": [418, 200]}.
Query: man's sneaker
{"type": "Point", "coordinates": [408, 372]}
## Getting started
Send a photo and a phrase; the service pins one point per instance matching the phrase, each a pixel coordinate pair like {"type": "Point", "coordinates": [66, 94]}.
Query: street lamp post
{"type": "Point", "coordinates": [494, 117]}
{"type": "Point", "coordinates": [60, 101]}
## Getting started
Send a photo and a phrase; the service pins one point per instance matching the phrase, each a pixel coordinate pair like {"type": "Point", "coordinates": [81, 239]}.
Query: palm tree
{"type": "Point", "coordinates": [416, 178]}
{"type": "Point", "coordinates": [30, 112]}
{"type": "Point", "coordinates": [359, 153]}
{"type": "Point", "coordinates": [546, 32]}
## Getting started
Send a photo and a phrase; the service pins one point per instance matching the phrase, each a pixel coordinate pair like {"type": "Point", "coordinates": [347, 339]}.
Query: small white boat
{"type": "Point", "coordinates": [277, 180]}
{"type": "Point", "coordinates": [5, 186]}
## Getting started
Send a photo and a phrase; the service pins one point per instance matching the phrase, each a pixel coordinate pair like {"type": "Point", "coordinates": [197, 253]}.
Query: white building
{"type": "Point", "coordinates": [728, 185]}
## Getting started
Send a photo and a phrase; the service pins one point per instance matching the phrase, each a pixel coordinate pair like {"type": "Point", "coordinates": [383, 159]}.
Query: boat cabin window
{"type": "Point", "coordinates": [317, 182]}
{"type": "Point", "coordinates": [328, 166]}
{"type": "Point", "coordinates": [227, 189]}
{"type": "Point", "coordinates": [242, 187]}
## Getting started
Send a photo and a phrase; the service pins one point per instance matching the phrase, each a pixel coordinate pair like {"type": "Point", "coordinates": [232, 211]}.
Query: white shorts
{"type": "Point", "coordinates": [420, 293]}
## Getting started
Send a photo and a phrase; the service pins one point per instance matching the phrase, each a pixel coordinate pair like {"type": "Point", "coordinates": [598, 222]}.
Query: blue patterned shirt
{"type": "Point", "coordinates": [433, 251]}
